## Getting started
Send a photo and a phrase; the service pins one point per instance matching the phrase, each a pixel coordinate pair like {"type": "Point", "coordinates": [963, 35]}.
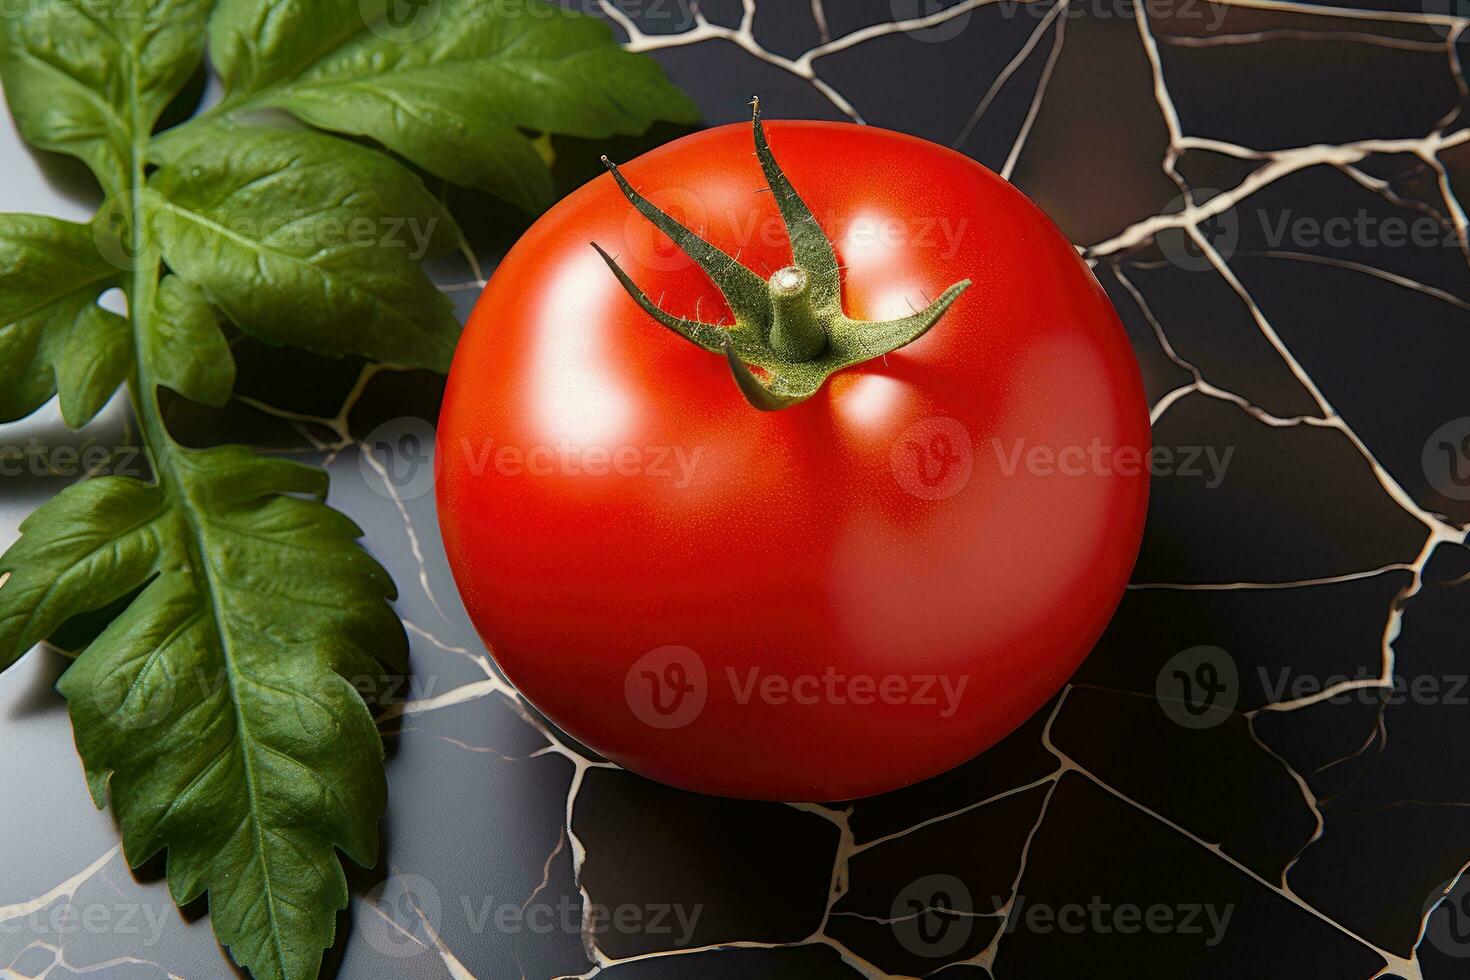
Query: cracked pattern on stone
{"type": "Point", "coordinates": [1188, 153]}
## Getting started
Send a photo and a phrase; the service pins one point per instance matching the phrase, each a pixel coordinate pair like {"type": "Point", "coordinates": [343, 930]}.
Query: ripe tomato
{"type": "Point", "coordinates": [835, 598]}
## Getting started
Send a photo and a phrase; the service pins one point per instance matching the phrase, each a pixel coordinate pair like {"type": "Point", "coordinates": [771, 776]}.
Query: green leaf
{"type": "Point", "coordinates": [52, 332]}
{"type": "Point", "coordinates": [218, 710]}
{"type": "Point", "coordinates": [96, 355]}
{"type": "Point", "coordinates": [454, 89]}
{"type": "Point", "coordinates": [256, 43]}
{"type": "Point", "coordinates": [308, 241]}
{"type": "Point", "coordinates": [185, 346]}
{"type": "Point", "coordinates": [84, 76]}
{"type": "Point", "coordinates": [91, 544]}
{"type": "Point", "coordinates": [235, 632]}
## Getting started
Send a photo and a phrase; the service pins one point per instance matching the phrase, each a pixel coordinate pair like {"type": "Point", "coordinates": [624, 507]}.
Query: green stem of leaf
{"type": "Point", "coordinates": [142, 285]}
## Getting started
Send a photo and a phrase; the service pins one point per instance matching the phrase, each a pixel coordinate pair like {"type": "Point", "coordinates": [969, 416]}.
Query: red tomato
{"type": "Point", "coordinates": [826, 601]}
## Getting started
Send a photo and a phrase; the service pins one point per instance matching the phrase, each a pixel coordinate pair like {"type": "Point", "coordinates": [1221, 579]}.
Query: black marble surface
{"type": "Point", "coordinates": [1262, 770]}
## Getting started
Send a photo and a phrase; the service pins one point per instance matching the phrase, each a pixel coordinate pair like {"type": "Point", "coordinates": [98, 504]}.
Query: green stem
{"type": "Point", "coordinates": [141, 289]}
{"type": "Point", "coordinates": [169, 469]}
{"type": "Point", "coordinates": [792, 326]}
{"type": "Point", "coordinates": [797, 331]}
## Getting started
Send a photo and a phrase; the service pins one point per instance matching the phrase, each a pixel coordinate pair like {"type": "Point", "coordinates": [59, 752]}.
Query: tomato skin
{"type": "Point", "coordinates": [799, 543]}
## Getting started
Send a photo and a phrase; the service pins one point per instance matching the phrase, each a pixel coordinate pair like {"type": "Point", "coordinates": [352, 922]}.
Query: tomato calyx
{"type": "Point", "coordinates": [790, 326]}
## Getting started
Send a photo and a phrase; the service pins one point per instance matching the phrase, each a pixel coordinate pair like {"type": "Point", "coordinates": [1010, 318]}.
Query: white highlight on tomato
{"type": "Point", "coordinates": [577, 400]}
